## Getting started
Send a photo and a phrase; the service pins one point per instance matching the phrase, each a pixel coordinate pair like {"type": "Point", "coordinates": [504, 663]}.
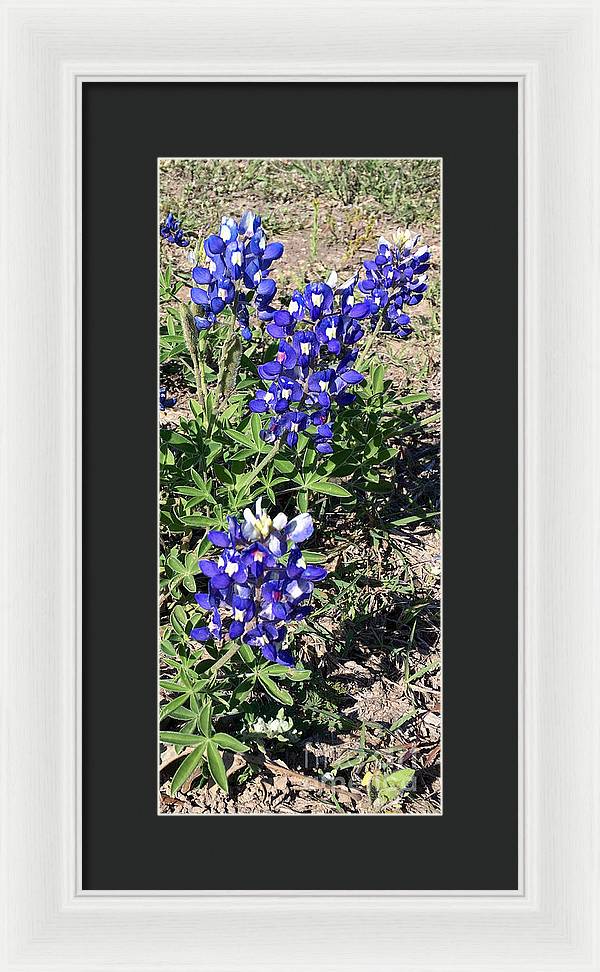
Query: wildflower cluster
{"type": "Point", "coordinates": [172, 232]}
{"type": "Point", "coordinates": [395, 278]}
{"type": "Point", "coordinates": [236, 275]}
{"type": "Point", "coordinates": [313, 369]}
{"type": "Point", "coordinates": [259, 583]}
{"type": "Point", "coordinates": [313, 372]}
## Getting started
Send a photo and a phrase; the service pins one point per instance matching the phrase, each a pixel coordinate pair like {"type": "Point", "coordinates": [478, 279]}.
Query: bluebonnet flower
{"type": "Point", "coordinates": [312, 367]}
{"type": "Point", "coordinates": [213, 629]}
{"type": "Point", "coordinates": [172, 232]}
{"type": "Point", "coordinates": [396, 278]}
{"type": "Point", "coordinates": [236, 274]}
{"type": "Point", "coordinates": [163, 401]}
{"type": "Point", "coordinates": [259, 583]}
{"type": "Point", "coordinates": [312, 374]}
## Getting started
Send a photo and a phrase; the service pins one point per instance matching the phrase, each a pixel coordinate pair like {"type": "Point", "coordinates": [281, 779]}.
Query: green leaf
{"type": "Point", "coordinates": [173, 686]}
{"type": "Point", "coordinates": [284, 465]}
{"type": "Point", "coordinates": [378, 379]}
{"type": "Point", "coordinates": [245, 652]}
{"type": "Point", "coordinates": [424, 670]}
{"type": "Point", "coordinates": [256, 426]}
{"type": "Point", "coordinates": [282, 695]}
{"type": "Point", "coordinates": [194, 520]}
{"type": "Point", "coordinates": [178, 619]}
{"type": "Point", "coordinates": [414, 519]}
{"type": "Point", "coordinates": [171, 437]}
{"type": "Point", "coordinates": [181, 739]}
{"type": "Point", "coordinates": [345, 762]}
{"type": "Point", "coordinates": [282, 671]}
{"type": "Point", "coordinates": [216, 766]}
{"type": "Point", "coordinates": [312, 557]}
{"type": "Point", "coordinates": [400, 722]}
{"type": "Point", "coordinates": [183, 713]}
{"type": "Point", "coordinates": [225, 741]}
{"type": "Point", "coordinates": [187, 767]}
{"type": "Point", "coordinates": [173, 704]}
{"type": "Point", "coordinates": [243, 689]}
{"type": "Point", "coordinates": [399, 779]}
{"type": "Point", "coordinates": [240, 437]}
{"type": "Point", "coordinates": [330, 489]}
{"type": "Point", "coordinates": [409, 399]}
{"type": "Point", "coordinates": [204, 718]}
{"type": "Point", "coordinates": [297, 674]}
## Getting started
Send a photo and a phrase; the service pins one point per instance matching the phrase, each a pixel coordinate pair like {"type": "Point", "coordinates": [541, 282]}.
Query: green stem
{"type": "Point", "coordinates": [200, 380]}
{"type": "Point", "coordinates": [364, 357]}
{"type": "Point", "coordinates": [223, 660]}
{"type": "Point", "coordinates": [270, 454]}
{"type": "Point", "coordinates": [190, 335]}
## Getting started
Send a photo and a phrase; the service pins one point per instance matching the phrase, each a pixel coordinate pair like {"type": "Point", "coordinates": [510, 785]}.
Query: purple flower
{"type": "Point", "coordinates": [212, 630]}
{"type": "Point", "coordinates": [250, 589]}
{"type": "Point", "coordinates": [318, 298]}
{"type": "Point", "coordinates": [294, 422]}
{"type": "Point", "coordinates": [236, 274]}
{"type": "Point", "coordinates": [172, 232]}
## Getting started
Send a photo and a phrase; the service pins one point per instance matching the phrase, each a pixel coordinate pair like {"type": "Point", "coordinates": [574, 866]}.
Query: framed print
{"type": "Point", "coordinates": [266, 364]}
{"type": "Point", "coordinates": [353, 701]}
{"type": "Point", "coordinates": [245, 736]}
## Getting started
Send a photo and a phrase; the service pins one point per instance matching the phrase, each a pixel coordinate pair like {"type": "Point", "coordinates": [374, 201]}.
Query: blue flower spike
{"type": "Point", "coordinates": [172, 232]}
{"type": "Point", "coordinates": [260, 583]}
{"type": "Point", "coordinates": [312, 375]}
{"type": "Point", "coordinates": [236, 274]}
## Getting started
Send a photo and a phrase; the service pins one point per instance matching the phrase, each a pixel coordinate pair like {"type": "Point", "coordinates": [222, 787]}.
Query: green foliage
{"type": "Point", "coordinates": [213, 463]}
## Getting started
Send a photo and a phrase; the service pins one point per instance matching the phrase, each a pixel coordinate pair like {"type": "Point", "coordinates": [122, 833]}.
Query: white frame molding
{"type": "Point", "coordinates": [552, 49]}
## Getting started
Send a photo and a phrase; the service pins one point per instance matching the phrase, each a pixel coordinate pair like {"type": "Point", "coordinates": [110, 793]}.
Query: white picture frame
{"type": "Point", "coordinates": [552, 51]}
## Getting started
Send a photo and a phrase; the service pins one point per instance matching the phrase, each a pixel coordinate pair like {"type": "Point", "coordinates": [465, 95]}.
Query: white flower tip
{"type": "Point", "coordinates": [332, 279]}
{"type": "Point", "coordinates": [280, 521]}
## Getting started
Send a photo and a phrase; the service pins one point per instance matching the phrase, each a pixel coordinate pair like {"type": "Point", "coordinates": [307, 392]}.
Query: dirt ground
{"type": "Point", "coordinates": [377, 697]}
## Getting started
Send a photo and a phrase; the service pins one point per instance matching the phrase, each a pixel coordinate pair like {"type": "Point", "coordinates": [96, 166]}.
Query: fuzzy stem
{"type": "Point", "coordinates": [364, 357]}
{"type": "Point", "coordinates": [270, 454]}
{"type": "Point", "coordinates": [191, 341]}
{"type": "Point", "coordinates": [201, 383]}
{"type": "Point", "coordinates": [223, 660]}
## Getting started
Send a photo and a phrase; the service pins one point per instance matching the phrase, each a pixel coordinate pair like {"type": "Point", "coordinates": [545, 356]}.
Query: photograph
{"type": "Point", "coordinates": [302, 562]}
{"type": "Point", "coordinates": [299, 387]}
